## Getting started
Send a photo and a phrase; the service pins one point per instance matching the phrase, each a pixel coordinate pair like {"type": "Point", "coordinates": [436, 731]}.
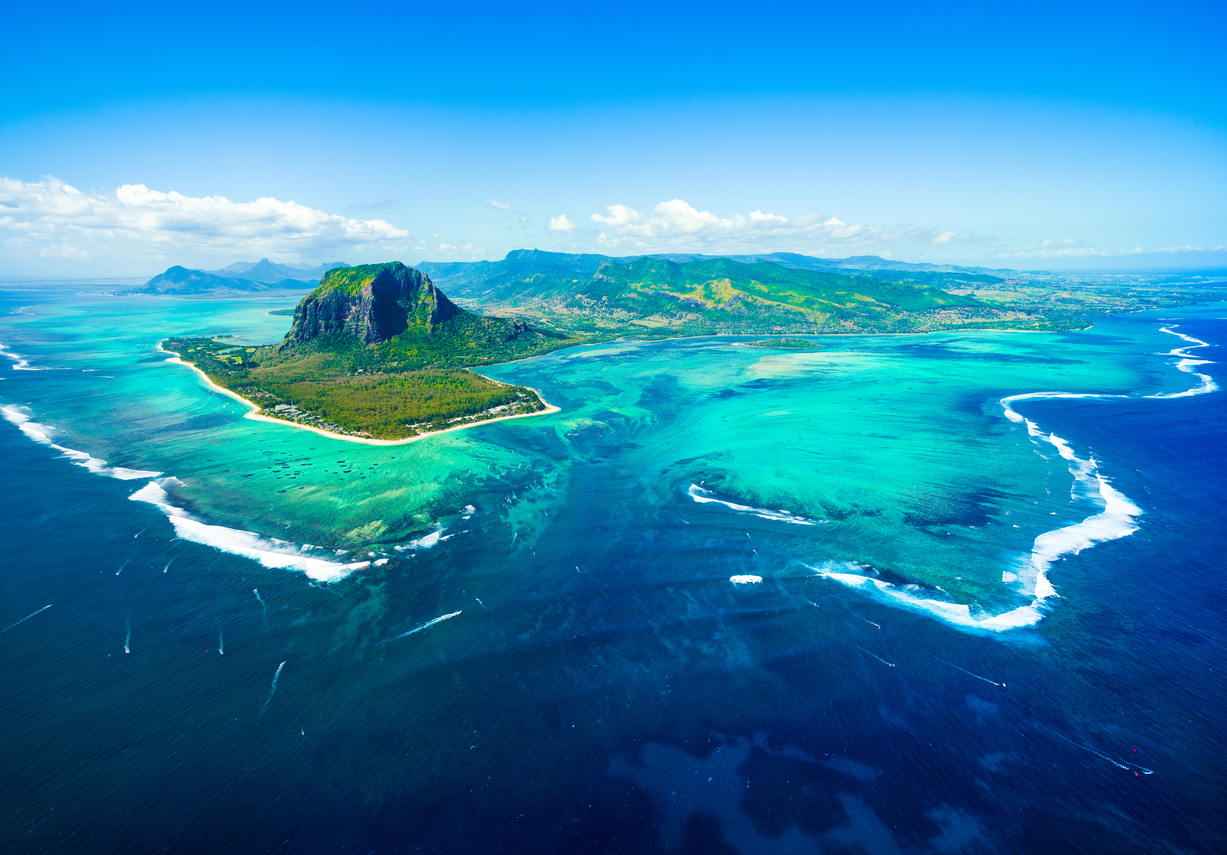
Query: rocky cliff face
{"type": "Point", "coordinates": [374, 302]}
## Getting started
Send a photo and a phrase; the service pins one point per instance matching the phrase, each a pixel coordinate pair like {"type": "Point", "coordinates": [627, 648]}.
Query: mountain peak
{"type": "Point", "coordinates": [374, 302]}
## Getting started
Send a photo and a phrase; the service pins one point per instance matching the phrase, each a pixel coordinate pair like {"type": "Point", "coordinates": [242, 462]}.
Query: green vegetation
{"type": "Point", "coordinates": [649, 297]}
{"type": "Point", "coordinates": [378, 405]}
{"type": "Point", "coordinates": [378, 351]}
{"type": "Point", "coordinates": [783, 344]}
{"type": "Point", "coordinates": [1102, 294]}
{"type": "Point", "coordinates": [411, 379]}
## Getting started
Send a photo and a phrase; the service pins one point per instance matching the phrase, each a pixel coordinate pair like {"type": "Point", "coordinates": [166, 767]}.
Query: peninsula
{"type": "Point", "coordinates": [377, 353]}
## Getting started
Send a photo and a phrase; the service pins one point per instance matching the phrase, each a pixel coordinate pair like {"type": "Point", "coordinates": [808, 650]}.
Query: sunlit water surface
{"type": "Point", "coordinates": [838, 600]}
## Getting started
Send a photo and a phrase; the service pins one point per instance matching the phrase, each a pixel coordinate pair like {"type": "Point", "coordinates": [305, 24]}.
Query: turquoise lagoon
{"type": "Point", "coordinates": [725, 599]}
{"type": "Point", "coordinates": [887, 457]}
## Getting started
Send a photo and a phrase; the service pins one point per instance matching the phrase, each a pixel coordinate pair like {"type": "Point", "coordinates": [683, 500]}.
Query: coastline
{"type": "Point", "coordinates": [253, 412]}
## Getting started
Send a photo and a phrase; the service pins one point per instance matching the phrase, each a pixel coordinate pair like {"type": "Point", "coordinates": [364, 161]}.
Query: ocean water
{"type": "Point", "coordinates": [866, 598]}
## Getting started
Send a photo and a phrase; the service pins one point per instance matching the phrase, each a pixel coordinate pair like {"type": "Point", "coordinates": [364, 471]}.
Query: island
{"type": "Point", "coordinates": [781, 294]}
{"type": "Point", "coordinates": [783, 344]}
{"type": "Point", "coordinates": [377, 353]}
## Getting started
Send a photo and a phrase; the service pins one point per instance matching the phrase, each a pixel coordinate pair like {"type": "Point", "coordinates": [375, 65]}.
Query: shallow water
{"type": "Point", "coordinates": [531, 639]}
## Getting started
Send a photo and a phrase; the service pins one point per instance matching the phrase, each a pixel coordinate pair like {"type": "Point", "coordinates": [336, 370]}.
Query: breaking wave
{"type": "Point", "coordinates": [1115, 519]}
{"type": "Point", "coordinates": [268, 551]}
{"type": "Point", "coordinates": [703, 496]}
{"type": "Point", "coordinates": [42, 434]}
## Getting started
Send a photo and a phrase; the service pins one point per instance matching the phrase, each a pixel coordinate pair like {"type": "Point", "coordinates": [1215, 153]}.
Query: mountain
{"type": "Point", "coordinates": [497, 279]}
{"type": "Point", "coordinates": [391, 318]}
{"type": "Point", "coordinates": [181, 280]}
{"type": "Point", "coordinates": [501, 281]}
{"type": "Point", "coordinates": [378, 351]}
{"type": "Point", "coordinates": [374, 302]}
{"type": "Point", "coordinates": [268, 271]}
{"type": "Point", "coordinates": [259, 276]}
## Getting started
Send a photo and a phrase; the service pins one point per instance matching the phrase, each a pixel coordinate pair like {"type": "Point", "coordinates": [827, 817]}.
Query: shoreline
{"type": "Point", "coordinates": [254, 412]}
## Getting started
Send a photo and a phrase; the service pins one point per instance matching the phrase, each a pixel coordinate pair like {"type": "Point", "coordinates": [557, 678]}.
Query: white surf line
{"type": "Point", "coordinates": [273, 690]}
{"type": "Point", "coordinates": [263, 605]}
{"type": "Point", "coordinates": [969, 673]}
{"type": "Point", "coordinates": [268, 551]}
{"type": "Point", "coordinates": [703, 496]}
{"type": "Point", "coordinates": [1120, 764]}
{"type": "Point", "coordinates": [41, 434]}
{"type": "Point", "coordinates": [875, 656]}
{"type": "Point", "coordinates": [26, 618]}
{"type": "Point", "coordinates": [19, 362]}
{"type": "Point", "coordinates": [425, 542]}
{"type": "Point", "coordinates": [1186, 364]}
{"type": "Point", "coordinates": [1116, 520]}
{"type": "Point", "coordinates": [426, 625]}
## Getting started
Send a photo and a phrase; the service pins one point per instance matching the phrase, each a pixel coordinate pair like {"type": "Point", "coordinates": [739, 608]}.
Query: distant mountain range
{"type": "Point", "coordinates": [240, 277]}
{"type": "Point", "coordinates": [517, 275]}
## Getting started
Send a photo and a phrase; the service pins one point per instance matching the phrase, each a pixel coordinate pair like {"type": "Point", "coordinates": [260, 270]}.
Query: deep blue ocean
{"type": "Point", "coordinates": [612, 706]}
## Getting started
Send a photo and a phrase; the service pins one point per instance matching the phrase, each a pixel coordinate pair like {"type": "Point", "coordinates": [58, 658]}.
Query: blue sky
{"type": "Point", "coordinates": [1056, 136]}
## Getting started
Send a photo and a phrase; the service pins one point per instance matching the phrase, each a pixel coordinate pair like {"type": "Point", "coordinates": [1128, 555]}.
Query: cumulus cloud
{"type": "Point", "coordinates": [561, 224]}
{"type": "Point", "coordinates": [679, 226]}
{"type": "Point", "coordinates": [51, 218]}
{"type": "Point", "coordinates": [947, 237]}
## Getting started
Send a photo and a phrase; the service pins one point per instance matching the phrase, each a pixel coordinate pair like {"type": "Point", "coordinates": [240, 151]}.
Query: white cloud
{"type": "Point", "coordinates": [679, 226]}
{"type": "Point", "coordinates": [51, 218]}
{"type": "Point", "coordinates": [561, 224]}
{"type": "Point", "coordinates": [494, 203]}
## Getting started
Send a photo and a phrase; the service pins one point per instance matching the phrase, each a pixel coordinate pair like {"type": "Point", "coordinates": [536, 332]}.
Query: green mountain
{"type": "Point", "coordinates": [377, 351]}
{"type": "Point", "coordinates": [650, 295]}
{"type": "Point", "coordinates": [389, 317]}
{"type": "Point", "coordinates": [501, 280]}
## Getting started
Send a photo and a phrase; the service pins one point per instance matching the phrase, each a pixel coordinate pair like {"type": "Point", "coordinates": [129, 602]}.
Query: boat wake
{"type": "Point", "coordinates": [426, 625]}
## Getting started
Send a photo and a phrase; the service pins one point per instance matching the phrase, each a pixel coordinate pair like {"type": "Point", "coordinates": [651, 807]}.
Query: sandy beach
{"type": "Point", "coordinates": [254, 412]}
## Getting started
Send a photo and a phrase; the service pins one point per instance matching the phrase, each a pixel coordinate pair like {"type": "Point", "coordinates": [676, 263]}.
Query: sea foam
{"type": "Point", "coordinates": [702, 496]}
{"type": "Point", "coordinates": [19, 362]}
{"type": "Point", "coordinates": [42, 434]}
{"type": "Point", "coordinates": [269, 551]}
{"type": "Point", "coordinates": [1186, 364]}
{"type": "Point", "coordinates": [1116, 519]}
